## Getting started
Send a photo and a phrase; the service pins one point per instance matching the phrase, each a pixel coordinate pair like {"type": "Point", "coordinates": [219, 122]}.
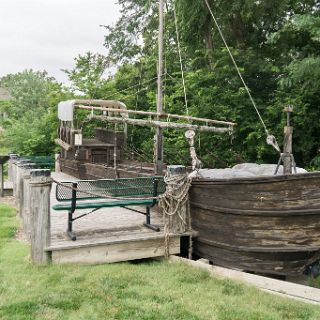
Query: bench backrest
{"type": "Point", "coordinates": [123, 187]}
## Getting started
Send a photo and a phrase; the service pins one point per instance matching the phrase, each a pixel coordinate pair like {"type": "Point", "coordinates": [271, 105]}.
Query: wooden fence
{"type": "Point", "coordinates": [31, 189]}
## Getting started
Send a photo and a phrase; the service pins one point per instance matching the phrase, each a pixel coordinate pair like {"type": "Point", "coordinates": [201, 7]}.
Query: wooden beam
{"type": "Point", "coordinates": [63, 144]}
{"type": "Point", "coordinates": [168, 116]}
{"type": "Point", "coordinates": [114, 251]}
{"type": "Point", "coordinates": [161, 124]}
{"type": "Point", "coordinates": [287, 289]}
{"type": "Point", "coordinates": [103, 103]}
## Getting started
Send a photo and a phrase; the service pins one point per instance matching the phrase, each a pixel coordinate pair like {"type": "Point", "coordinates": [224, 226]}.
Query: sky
{"type": "Point", "coordinates": [49, 34]}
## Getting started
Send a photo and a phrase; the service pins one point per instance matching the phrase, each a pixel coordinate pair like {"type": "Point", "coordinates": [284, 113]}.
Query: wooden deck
{"type": "Point", "coordinates": [108, 235]}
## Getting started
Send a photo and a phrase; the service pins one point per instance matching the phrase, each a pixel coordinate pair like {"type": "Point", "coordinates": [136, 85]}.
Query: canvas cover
{"type": "Point", "coordinates": [65, 110]}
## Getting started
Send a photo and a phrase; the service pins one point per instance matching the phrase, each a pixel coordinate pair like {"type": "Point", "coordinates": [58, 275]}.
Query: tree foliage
{"type": "Point", "coordinates": [276, 45]}
{"type": "Point", "coordinates": [31, 125]}
{"type": "Point", "coordinates": [87, 75]}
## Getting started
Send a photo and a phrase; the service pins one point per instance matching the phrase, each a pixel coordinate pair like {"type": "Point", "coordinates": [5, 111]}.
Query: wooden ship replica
{"type": "Point", "coordinates": [102, 156]}
{"type": "Point", "coordinates": [264, 224]}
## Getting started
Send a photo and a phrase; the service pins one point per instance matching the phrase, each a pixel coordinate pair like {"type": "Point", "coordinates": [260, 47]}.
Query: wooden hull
{"type": "Point", "coordinates": [266, 225]}
{"type": "Point", "coordinates": [87, 171]}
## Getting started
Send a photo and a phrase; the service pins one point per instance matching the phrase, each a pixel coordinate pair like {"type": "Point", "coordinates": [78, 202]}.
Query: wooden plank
{"type": "Point", "coordinates": [115, 252]}
{"type": "Point", "coordinates": [157, 115]}
{"type": "Point", "coordinates": [63, 144]}
{"type": "Point", "coordinates": [288, 289]}
{"type": "Point", "coordinates": [161, 124]}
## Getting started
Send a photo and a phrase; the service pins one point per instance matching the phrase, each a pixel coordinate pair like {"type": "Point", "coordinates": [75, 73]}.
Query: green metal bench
{"type": "Point", "coordinates": [89, 194]}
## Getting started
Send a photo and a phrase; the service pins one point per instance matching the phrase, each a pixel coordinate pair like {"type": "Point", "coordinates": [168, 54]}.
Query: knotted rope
{"type": "Point", "coordinates": [176, 209]}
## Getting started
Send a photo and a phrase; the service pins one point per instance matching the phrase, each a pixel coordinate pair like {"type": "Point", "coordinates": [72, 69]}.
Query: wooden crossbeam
{"type": "Point", "coordinates": [161, 124]}
{"type": "Point", "coordinates": [158, 115]}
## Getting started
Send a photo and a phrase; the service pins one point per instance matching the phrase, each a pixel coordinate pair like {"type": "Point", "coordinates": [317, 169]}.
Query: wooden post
{"type": "Point", "coordinates": [14, 171]}
{"type": "Point", "coordinates": [3, 160]}
{"type": "Point", "coordinates": [287, 144]}
{"type": "Point", "coordinates": [26, 215]}
{"type": "Point", "coordinates": [40, 187]}
{"type": "Point", "coordinates": [18, 183]}
{"type": "Point", "coordinates": [175, 224]}
{"type": "Point", "coordinates": [159, 135]}
{"type": "Point", "coordinates": [24, 203]}
{"type": "Point", "coordinates": [12, 159]}
{"type": "Point", "coordinates": [57, 157]}
{"type": "Point", "coordinates": [115, 142]}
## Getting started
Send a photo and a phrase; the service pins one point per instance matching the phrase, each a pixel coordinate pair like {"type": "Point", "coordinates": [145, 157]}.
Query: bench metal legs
{"type": "Point", "coordinates": [148, 221]}
{"type": "Point", "coordinates": [148, 217]}
{"type": "Point", "coordinates": [147, 224]}
{"type": "Point", "coordinates": [70, 233]}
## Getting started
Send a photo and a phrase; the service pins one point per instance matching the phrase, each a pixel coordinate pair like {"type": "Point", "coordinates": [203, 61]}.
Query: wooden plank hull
{"type": "Point", "coordinates": [92, 171]}
{"type": "Point", "coordinates": [266, 224]}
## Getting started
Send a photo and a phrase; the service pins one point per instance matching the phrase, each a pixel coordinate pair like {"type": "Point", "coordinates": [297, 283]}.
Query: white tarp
{"type": "Point", "coordinates": [65, 110]}
{"type": "Point", "coordinates": [243, 170]}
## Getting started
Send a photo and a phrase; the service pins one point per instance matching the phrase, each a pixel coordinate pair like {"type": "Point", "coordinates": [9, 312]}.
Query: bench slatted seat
{"type": "Point", "coordinates": [74, 195]}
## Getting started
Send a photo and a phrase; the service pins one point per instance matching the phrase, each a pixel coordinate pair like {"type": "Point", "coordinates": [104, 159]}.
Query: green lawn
{"type": "Point", "coordinates": [149, 290]}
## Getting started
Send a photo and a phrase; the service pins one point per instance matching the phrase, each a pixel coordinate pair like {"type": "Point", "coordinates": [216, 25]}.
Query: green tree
{"type": "Point", "coordinates": [32, 117]}
{"type": "Point", "coordinates": [277, 49]}
{"type": "Point", "coordinates": [87, 75]}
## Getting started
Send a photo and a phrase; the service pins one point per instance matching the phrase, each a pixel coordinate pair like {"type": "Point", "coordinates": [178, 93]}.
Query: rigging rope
{"type": "Point", "coordinates": [131, 87]}
{"type": "Point", "coordinates": [180, 57]}
{"type": "Point", "coordinates": [271, 140]}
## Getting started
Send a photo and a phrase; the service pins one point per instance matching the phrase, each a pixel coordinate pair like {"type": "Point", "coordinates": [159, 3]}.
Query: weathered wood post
{"type": "Point", "coordinates": [57, 162]}
{"type": "Point", "coordinates": [18, 182]}
{"type": "Point", "coordinates": [175, 206]}
{"type": "Point", "coordinates": [40, 187]}
{"type": "Point", "coordinates": [287, 144]}
{"type": "Point", "coordinates": [3, 160]}
{"type": "Point", "coordinates": [14, 172]}
{"type": "Point", "coordinates": [177, 221]}
{"type": "Point", "coordinates": [24, 207]}
{"type": "Point", "coordinates": [13, 157]}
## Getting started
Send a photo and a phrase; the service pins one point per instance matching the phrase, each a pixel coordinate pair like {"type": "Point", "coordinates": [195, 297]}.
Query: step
{"type": "Point", "coordinates": [117, 250]}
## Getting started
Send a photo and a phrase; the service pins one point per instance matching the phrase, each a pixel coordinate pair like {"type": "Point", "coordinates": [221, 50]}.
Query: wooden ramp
{"type": "Point", "coordinates": [107, 235]}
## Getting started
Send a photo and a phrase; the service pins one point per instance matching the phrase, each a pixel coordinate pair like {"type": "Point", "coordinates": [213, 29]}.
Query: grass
{"type": "Point", "coordinates": [149, 290]}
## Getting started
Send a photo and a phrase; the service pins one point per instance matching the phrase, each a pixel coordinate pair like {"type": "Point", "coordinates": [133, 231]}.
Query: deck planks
{"type": "Point", "coordinates": [108, 235]}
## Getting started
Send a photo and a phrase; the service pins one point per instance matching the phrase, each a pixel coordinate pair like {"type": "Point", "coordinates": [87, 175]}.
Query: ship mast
{"type": "Point", "coordinates": [159, 136]}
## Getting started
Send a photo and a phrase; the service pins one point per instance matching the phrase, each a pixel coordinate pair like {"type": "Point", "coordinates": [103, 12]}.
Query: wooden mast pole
{"type": "Point", "coordinates": [159, 136]}
{"type": "Point", "coordinates": [287, 144]}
